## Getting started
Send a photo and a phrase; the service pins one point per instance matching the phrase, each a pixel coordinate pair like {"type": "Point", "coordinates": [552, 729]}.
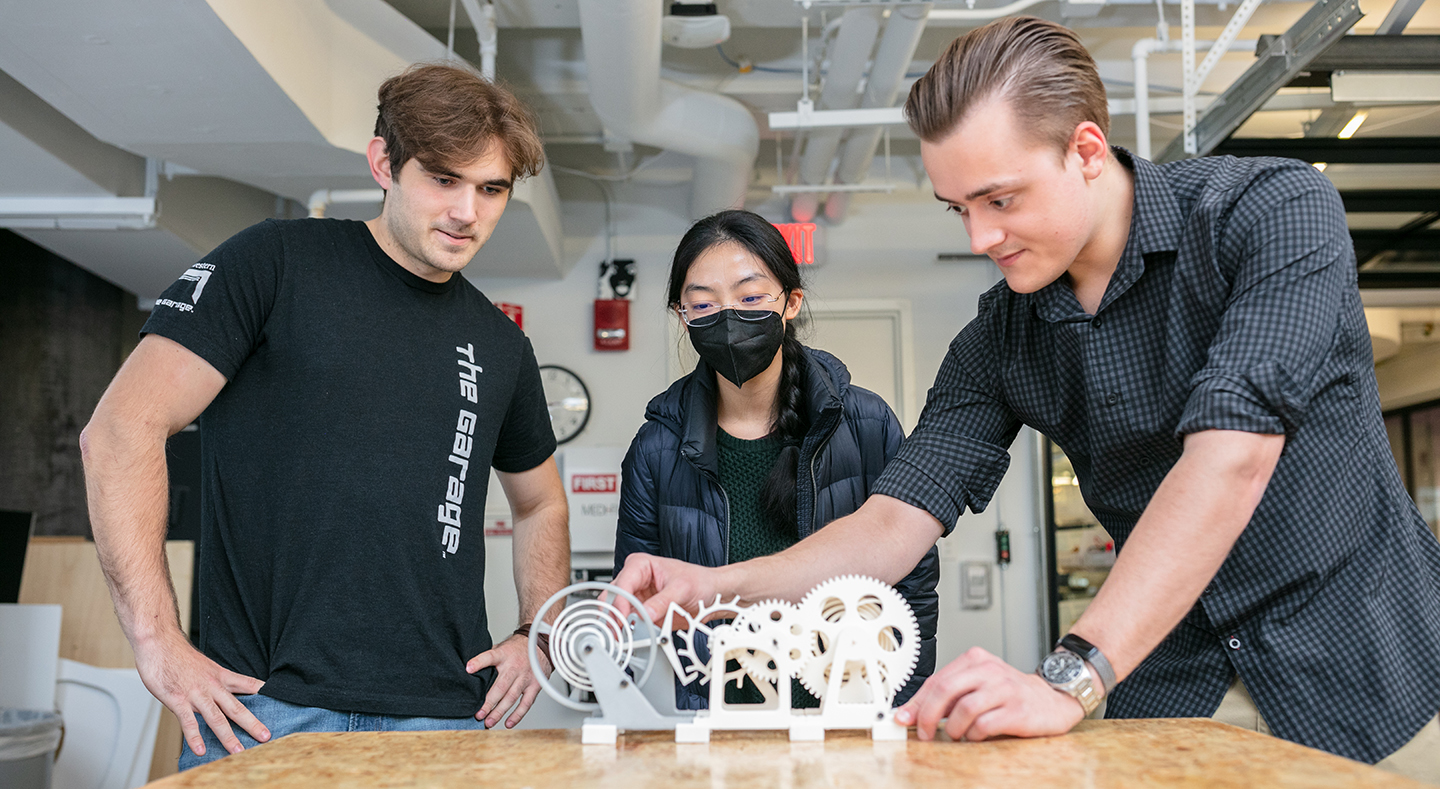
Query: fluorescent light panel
{"type": "Point", "coordinates": [1385, 87]}
{"type": "Point", "coordinates": [1354, 125]}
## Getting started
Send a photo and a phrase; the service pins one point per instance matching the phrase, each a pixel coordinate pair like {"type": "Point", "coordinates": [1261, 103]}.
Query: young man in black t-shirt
{"type": "Point", "coordinates": [354, 394]}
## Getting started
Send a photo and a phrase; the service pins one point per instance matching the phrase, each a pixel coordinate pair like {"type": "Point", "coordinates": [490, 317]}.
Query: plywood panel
{"type": "Point", "coordinates": [66, 570]}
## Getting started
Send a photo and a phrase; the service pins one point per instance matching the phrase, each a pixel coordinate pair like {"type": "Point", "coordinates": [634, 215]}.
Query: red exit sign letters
{"type": "Point", "coordinates": [801, 238]}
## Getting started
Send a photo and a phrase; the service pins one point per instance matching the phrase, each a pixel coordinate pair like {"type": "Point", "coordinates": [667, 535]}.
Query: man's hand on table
{"type": "Point", "coordinates": [188, 683]}
{"type": "Point", "coordinates": [983, 697]}
{"type": "Point", "coordinates": [514, 681]}
{"type": "Point", "coordinates": [658, 582]}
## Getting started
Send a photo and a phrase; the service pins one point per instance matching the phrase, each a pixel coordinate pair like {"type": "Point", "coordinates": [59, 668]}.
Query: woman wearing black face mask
{"type": "Point", "coordinates": [766, 441]}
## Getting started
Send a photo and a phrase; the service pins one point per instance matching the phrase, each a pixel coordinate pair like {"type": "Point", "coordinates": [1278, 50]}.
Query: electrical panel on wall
{"type": "Point", "coordinates": [975, 585]}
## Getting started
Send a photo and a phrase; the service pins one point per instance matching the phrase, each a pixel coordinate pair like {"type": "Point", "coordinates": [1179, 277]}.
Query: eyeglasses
{"type": "Point", "coordinates": [749, 308]}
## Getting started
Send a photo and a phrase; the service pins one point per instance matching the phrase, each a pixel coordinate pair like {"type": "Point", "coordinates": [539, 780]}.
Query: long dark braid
{"type": "Point", "coordinates": [777, 495]}
{"type": "Point", "coordinates": [791, 416]}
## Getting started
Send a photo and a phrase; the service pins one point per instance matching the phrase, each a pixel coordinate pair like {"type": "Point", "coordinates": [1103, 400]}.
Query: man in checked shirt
{"type": "Point", "coordinates": [1192, 336]}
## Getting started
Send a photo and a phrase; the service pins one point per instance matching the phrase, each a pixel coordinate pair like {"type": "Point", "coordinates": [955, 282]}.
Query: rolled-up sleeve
{"type": "Point", "coordinates": [1282, 321]}
{"type": "Point", "coordinates": [958, 453]}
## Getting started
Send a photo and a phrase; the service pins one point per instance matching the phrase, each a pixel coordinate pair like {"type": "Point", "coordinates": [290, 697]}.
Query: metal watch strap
{"type": "Point", "coordinates": [1091, 654]}
{"type": "Point", "coordinates": [1081, 688]}
{"type": "Point", "coordinates": [1086, 695]}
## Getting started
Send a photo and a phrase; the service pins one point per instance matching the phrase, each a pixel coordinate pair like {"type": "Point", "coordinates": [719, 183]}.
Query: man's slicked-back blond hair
{"type": "Point", "coordinates": [1040, 68]}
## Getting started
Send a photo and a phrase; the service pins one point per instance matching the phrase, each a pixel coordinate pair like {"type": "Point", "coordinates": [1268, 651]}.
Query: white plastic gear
{"type": "Point", "coordinates": [779, 622]}
{"type": "Point", "coordinates": [679, 639]}
{"type": "Point", "coordinates": [886, 636]}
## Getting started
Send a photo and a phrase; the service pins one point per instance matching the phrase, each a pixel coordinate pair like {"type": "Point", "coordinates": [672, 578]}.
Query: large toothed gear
{"type": "Point", "coordinates": [781, 647]}
{"type": "Point", "coordinates": [870, 626]}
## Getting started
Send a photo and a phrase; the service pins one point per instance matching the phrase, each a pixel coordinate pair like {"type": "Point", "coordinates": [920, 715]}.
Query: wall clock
{"type": "Point", "coordinates": [568, 401]}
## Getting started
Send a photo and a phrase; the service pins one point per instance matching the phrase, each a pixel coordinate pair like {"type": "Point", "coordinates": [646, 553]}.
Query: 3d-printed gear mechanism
{"type": "Point", "coordinates": [777, 623]}
{"type": "Point", "coordinates": [863, 640]}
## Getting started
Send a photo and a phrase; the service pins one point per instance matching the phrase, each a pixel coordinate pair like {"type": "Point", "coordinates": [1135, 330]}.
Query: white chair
{"type": "Point", "coordinates": [110, 725]}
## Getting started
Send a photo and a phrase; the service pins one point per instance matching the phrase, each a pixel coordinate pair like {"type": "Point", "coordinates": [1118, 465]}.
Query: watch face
{"type": "Point", "coordinates": [1061, 667]}
{"type": "Point", "coordinates": [567, 399]}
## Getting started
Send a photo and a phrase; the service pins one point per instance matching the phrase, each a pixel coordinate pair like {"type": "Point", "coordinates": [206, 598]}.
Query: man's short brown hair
{"type": "Point", "coordinates": [1039, 67]}
{"type": "Point", "coordinates": [444, 115]}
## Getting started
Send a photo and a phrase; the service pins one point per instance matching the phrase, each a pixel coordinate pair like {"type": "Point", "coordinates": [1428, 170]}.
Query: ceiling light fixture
{"type": "Point", "coordinates": [1321, 166]}
{"type": "Point", "coordinates": [1354, 124]}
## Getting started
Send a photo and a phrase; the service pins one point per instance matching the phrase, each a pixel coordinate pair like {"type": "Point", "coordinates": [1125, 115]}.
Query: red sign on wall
{"type": "Point", "coordinates": [593, 483]}
{"type": "Point", "coordinates": [801, 238]}
{"type": "Point", "coordinates": [514, 312]}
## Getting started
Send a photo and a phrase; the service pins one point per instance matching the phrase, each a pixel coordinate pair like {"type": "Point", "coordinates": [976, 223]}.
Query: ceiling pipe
{"type": "Point", "coordinates": [983, 14]}
{"type": "Point", "coordinates": [1140, 55]}
{"type": "Point", "coordinates": [322, 199]}
{"type": "Point", "coordinates": [622, 57]}
{"type": "Point", "coordinates": [483, 18]}
{"type": "Point", "coordinates": [848, 55]}
{"type": "Point", "coordinates": [892, 60]}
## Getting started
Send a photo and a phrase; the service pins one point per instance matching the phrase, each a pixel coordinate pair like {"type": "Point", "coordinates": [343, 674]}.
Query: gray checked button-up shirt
{"type": "Point", "coordinates": [1233, 307]}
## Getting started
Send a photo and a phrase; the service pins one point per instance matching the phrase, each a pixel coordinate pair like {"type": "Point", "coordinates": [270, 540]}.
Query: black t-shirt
{"type": "Point", "coordinates": [345, 465]}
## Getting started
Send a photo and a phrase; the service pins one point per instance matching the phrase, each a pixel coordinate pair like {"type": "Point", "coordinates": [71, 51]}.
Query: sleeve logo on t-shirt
{"type": "Point", "coordinates": [198, 274]}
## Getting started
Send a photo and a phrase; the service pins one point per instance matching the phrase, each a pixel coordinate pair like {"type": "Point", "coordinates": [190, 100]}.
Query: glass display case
{"type": "Point", "coordinates": [1082, 552]}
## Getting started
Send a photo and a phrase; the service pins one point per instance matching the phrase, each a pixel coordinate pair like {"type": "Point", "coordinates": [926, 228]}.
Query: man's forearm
{"type": "Point", "coordinates": [1179, 543]}
{"type": "Point", "coordinates": [127, 489]}
{"type": "Point", "coordinates": [541, 552]}
{"type": "Point", "coordinates": [883, 539]}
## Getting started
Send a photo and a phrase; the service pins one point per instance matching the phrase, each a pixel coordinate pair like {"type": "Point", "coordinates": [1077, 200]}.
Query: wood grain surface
{"type": "Point", "coordinates": [1099, 754]}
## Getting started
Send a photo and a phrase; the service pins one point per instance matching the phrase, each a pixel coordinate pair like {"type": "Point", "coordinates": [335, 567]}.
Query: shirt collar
{"type": "Point", "coordinates": [1152, 229]}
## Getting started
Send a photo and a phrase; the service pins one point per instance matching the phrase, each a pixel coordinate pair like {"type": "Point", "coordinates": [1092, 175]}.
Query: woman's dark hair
{"type": "Point", "coordinates": [790, 421]}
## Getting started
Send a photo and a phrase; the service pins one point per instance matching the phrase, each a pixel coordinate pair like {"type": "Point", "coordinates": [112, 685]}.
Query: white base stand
{"type": "Point", "coordinates": [598, 734]}
{"type": "Point", "coordinates": [807, 729]}
{"type": "Point", "coordinates": [888, 730]}
{"type": "Point", "coordinates": [692, 732]}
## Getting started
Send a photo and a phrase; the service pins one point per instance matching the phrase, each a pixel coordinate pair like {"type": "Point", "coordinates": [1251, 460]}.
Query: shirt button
{"type": "Point", "coordinates": [1233, 642]}
{"type": "Point", "coordinates": [1095, 321]}
{"type": "Point", "coordinates": [1210, 588]}
{"type": "Point", "coordinates": [1112, 398]}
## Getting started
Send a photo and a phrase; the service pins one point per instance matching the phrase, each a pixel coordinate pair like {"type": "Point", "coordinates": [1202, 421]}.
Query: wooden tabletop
{"type": "Point", "coordinates": [1149, 753]}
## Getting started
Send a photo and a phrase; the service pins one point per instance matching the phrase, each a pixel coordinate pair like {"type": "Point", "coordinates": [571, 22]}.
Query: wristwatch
{"type": "Point", "coordinates": [1065, 671]}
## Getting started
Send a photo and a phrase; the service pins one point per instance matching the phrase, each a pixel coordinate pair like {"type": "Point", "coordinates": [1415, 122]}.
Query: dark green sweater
{"type": "Point", "coordinates": [744, 465]}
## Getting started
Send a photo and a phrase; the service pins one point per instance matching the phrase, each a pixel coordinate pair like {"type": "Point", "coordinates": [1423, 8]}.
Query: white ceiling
{"type": "Point", "coordinates": [168, 79]}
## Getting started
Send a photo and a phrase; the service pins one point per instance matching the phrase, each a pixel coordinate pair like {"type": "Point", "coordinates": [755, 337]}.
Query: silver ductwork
{"type": "Point", "coordinates": [892, 58]}
{"type": "Point", "coordinates": [622, 57]}
{"type": "Point", "coordinates": [847, 56]}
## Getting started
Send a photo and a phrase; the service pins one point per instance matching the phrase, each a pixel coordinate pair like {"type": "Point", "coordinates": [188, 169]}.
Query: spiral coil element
{"type": "Point", "coordinates": [583, 625]}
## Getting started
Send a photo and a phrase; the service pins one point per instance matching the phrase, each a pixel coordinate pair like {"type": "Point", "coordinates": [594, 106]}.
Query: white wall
{"type": "Point", "coordinates": [1409, 377]}
{"type": "Point", "coordinates": [885, 250]}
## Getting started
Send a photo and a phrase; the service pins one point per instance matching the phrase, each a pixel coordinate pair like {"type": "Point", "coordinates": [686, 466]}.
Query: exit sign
{"type": "Point", "coordinates": [802, 238]}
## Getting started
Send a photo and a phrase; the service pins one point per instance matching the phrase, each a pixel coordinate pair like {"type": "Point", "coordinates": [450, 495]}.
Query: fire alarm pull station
{"type": "Point", "coordinates": [612, 315]}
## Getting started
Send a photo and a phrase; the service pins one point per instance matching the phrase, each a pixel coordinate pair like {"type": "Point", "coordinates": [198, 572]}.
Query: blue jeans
{"type": "Point", "coordinates": [283, 718]}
